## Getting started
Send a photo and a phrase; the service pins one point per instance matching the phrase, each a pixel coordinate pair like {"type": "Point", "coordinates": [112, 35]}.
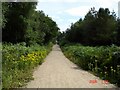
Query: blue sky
{"type": "Point", "coordinates": [65, 12]}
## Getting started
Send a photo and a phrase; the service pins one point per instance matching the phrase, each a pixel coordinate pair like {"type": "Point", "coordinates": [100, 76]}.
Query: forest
{"type": "Point", "coordinates": [93, 44]}
{"type": "Point", "coordinates": [100, 27]}
{"type": "Point", "coordinates": [28, 36]}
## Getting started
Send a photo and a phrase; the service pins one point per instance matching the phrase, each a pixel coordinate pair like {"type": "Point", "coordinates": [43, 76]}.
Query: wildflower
{"type": "Point", "coordinates": [95, 60]}
{"type": "Point", "coordinates": [105, 72]}
{"type": "Point", "coordinates": [105, 67]}
{"type": "Point", "coordinates": [118, 66]}
{"type": "Point", "coordinates": [114, 70]}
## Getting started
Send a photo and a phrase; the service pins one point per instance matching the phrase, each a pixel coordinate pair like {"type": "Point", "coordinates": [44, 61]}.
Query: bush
{"type": "Point", "coordinates": [18, 61]}
{"type": "Point", "coordinates": [103, 60]}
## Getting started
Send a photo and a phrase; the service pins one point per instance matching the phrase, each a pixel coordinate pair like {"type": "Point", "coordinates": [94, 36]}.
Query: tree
{"type": "Point", "coordinates": [118, 31]}
{"type": "Point", "coordinates": [16, 25]}
{"type": "Point", "coordinates": [24, 24]}
{"type": "Point", "coordinates": [4, 14]}
{"type": "Point", "coordinates": [97, 28]}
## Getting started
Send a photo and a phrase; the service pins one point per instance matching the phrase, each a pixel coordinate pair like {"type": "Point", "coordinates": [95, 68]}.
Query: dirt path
{"type": "Point", "coordinates": [58, 72]}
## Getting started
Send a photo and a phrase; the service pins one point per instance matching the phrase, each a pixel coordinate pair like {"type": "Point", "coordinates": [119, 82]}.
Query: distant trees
{"type": "Point", "coordinates": [21, 23]}
{"type": "Point", "coordinates": [97, 28]}
{"type": "Point", "coordinates": [4, 12]}
{"type": "Point", "coordinates": [118, 31]}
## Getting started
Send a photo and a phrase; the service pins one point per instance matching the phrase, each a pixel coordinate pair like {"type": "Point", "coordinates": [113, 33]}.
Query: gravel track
{"type": "Point", "coordinates": [59, 72]}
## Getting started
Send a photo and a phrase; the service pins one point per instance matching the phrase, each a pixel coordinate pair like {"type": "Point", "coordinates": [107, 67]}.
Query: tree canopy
{"type": "Point", "coordinates": [97, 28]}
{"type": "Point", "coordinates": [22, 23]}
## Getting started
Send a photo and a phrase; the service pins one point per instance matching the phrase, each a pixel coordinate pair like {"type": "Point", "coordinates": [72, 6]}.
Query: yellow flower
{"type": "Point", "coordinates": [105, 72]}
{"type": "Point", "coordinates": [114, 70]}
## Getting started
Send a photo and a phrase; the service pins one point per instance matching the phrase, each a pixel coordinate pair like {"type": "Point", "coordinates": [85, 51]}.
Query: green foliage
{"type": "Point", "coordinates": [103, 60]}
{"type": "Point", "coordinates": [22, 23]}
{"type": "Point", "coordinates": [18, 61]}
{"type": "Point", "coordinates": [4, 12]}
{"type": "Point", "coordinates": [97, 28]}
{"type": "Point", "coordinates": [16, 16]}
{"type": "Point", "coordinates": [0, 65]}
{"type": "Point", "coordinates": [118, 31]}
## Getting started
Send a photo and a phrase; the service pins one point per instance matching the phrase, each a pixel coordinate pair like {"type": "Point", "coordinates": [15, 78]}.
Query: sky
{"type": "Point", "coordinates": [65, 12]}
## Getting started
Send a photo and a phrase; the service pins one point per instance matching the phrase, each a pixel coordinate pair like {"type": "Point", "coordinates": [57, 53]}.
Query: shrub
{"type": "Point", "coordinates": [18, 61]}
{"type": "Point", "coordinates": [102, 60]}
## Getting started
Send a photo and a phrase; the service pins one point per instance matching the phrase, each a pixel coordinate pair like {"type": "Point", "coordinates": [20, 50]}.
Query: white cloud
{"type": "Point", "coordinates": [82, 10]}
{"type": "Point", "coordinates": [61, 1]}
{"type": "Point", "coordinates": [64, 12]}
{"type": "Point", "coordinates": [63, 27]}
{"type": "Point", "coordinates": [78, 11]}
{"type": "Point", "coordinates": [105, 3]}
{"type": "Point", "coordinates": [59, 12]}
{"type": "Point", "coordinates": [72, 1]}
{"type": "Point", "coordinates": [112, 4]}
{"type": "Point", "coordinates": [71, 20]}
{"type": "Point", "coordinates": [57, 18]}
